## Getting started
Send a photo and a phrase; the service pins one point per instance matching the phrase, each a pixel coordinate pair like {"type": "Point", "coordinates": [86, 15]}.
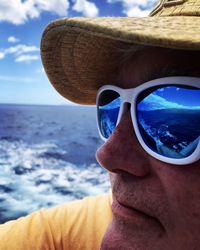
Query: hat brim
{"type": "Point", "coordinates": [82, 54]}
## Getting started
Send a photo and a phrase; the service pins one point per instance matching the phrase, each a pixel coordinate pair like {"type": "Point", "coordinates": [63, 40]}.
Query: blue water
{"type": "Point", "coordinates": [47, 157]}
{"type": "Point", "coordinates": [176, 129]}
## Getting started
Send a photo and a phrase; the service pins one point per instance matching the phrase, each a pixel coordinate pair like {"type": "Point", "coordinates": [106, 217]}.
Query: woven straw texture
{"type": "Point", "coordinates": [81, 54]}
{"type": "Point", "coordinates": [177, 8]}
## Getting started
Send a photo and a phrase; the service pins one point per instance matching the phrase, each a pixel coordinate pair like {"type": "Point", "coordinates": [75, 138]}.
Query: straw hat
{"type": "Point", "coordinates": [81, 54]}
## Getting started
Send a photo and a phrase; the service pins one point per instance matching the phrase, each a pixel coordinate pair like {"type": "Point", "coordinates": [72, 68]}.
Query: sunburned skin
{"type": "Point", "coordinates": [155, 205]}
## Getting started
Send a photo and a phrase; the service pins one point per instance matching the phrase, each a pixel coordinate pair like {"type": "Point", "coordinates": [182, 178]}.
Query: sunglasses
{"type": "Point", "coordinates": [165, 115]}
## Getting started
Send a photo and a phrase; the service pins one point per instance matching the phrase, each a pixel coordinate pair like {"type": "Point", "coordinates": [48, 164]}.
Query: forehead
{"type": "Point", "coordinates": [154, 63]}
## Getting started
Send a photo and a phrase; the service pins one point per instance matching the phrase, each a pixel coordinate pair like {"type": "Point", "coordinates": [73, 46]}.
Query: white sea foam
{"type": "Point", "coordinates": [32, 178]}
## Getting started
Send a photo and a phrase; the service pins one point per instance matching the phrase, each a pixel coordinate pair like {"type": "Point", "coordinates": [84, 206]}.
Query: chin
{"type": "Point", "coordinates": [121, 235]}
{"type": "Point", "coordinates": [113, 239]}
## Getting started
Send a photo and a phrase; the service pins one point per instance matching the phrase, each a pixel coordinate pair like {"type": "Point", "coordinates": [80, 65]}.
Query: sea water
{"type": "Point", "coordinates": [47, 157]}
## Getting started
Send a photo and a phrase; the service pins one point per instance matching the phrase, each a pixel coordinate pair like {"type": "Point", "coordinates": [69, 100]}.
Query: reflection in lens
{"type": "Point", "coordinates": [169, 120]}
{"type": "Point", "coordinates": [108, 110]}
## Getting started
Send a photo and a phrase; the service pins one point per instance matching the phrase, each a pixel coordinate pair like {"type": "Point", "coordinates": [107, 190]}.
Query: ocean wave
{"type": "Point", "coordinates": [38, 175]}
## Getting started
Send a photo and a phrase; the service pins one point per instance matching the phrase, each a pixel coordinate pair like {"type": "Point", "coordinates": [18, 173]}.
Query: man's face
{"type": "Point", "coordinates": [155, 205]}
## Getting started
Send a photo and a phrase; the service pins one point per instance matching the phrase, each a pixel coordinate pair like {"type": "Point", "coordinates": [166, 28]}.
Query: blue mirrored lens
{"type": "Point", "coordinates": [169, 120]}
{"type": "Point", "coordinates": [108, 111]}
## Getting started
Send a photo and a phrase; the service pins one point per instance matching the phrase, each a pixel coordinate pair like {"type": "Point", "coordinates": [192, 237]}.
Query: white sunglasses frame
{"type": "Point", "coordinates": [130, 96]}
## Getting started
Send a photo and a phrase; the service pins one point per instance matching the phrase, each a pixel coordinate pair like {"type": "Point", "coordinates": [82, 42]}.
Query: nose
{"type": "Point", "coordinates": [122, 151]}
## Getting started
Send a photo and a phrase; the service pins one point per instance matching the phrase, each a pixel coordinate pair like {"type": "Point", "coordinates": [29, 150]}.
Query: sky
{"type": "Point", "coordinates": [22, 76]}
{"type": "Point", "coordinates": [171, 98]}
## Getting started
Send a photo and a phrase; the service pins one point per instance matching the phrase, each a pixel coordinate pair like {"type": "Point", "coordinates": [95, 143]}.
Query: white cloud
{"type": "Point", "coordinates": [26, 58]}
{"type": "Point", "coordinates": [20, 53]}
{"type": "Point", "coordinates": [12, 39]}
{"type": "Point", "coordinates": [86, 7]}
{"type": "Point", "coordinates": [19, 11]}
{"type": "Point", "coordinates": [135, 7]}
{"type": "Point", "coordinates": [21, 49]}
{"type": "Point", "coordinates": [137, 12]}
{"type": "Point", "coordinates": [2, 55]}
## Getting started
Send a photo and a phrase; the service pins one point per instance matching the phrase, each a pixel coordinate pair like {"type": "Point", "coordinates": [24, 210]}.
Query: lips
{"type": "Point", "coordinates": [132, 215]}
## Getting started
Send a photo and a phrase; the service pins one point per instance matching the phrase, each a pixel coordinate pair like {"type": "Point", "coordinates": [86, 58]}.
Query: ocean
{"type": "Point", "coordinates": [47, 157]}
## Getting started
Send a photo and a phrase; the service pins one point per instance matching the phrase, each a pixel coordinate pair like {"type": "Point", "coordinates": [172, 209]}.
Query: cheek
{"type": "Point", "coordinates": [112, 178]}
{"type": "Point", "coordinates": [182, 188]}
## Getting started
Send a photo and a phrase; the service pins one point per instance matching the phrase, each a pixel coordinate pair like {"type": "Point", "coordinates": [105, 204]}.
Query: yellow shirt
{"type": "Point", "coordinates": [73, 226]}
